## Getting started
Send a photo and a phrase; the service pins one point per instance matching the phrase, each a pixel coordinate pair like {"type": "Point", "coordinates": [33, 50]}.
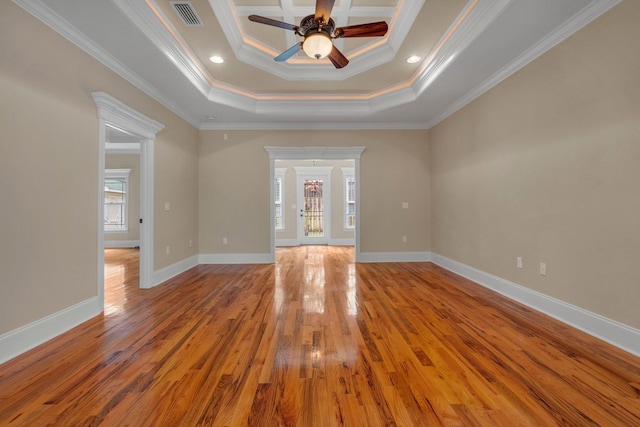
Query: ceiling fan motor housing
{"type": "Point", "coordinates": [308, 25]}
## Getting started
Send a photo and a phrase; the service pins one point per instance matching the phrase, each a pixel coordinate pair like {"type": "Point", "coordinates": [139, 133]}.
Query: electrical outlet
{"type": "Point", "coordinates": [167, 206]}
{"type": "Point", "coordinates": [190, 243]}
{"type": "Point", "coordinates": [519, 262]}
{"type": "Point", "coordinates": [404, 239]}
{"type": "Point", "coordinates": [543, 268]}
{"type": "Point", "coordinates": [405, 205]}
{"type": "Point", "coordinates": [224, 241]}
{"type": "Point", "coordinates": [168, 250]}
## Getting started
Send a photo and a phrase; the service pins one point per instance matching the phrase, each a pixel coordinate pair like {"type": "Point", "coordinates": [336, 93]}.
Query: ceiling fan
{"type": "Point", "coordinates": [319, 30]}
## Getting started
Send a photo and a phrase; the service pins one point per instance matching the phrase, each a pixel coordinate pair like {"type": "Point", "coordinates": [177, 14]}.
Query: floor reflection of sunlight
{"type": "Point", "coordinates": [352, 308]}
{"type": "Point", "coordinates": [314, 284]}
{"type": "Point", "coordinates": [114, 275]}
{"type": "Point", "coordinates": [278, 294]}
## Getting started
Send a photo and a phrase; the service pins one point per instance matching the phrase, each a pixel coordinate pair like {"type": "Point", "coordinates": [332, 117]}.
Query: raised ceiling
{"type": "Point", "coordinates": [466, 47]}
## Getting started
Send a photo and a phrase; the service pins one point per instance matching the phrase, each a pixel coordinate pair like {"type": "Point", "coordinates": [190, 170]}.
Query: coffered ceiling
{"type": "Point", "coordinates": [465, 48]}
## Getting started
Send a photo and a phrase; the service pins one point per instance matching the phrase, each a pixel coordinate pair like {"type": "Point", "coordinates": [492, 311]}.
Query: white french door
{"type": "Point", "coordinates": [313, 205]}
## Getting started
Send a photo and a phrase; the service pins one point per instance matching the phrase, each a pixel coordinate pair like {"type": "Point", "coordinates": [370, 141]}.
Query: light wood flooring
{"type": "Point", "coordinates": [316, 340]}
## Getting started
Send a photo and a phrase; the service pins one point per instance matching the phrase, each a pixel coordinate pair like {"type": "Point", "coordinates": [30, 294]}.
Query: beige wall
{"type": "Point", "coordinates": [547, 166]}
{"type": "Point", "coordinates": [544, 166]}
{"type": "Point", "coordinates": [234, 187]}
{"type": "Point", "coordinates": [49, 140]}
{"type": "Point", "coordinates": [132, 162]}
{"type": "Point", "coordinates": [337, 197]}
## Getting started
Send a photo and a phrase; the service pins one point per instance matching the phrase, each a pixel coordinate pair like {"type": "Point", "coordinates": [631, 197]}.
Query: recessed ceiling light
{"type": "Point", "coordinates": [413, 59]}
{"type": "Point", "coordinates": [216, 59]}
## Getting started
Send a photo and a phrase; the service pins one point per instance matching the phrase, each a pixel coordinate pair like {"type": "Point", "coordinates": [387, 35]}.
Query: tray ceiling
{"type": "Point", "coordinates": [465, 47]}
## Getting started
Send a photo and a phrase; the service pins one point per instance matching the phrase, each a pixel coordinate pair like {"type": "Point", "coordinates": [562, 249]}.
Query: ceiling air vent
{"type": "Point", "coordinates": [187, 13]}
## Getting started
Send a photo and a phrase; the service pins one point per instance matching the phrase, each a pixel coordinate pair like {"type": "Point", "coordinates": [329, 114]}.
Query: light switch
{"type": "Point", "coordinates": [405, 205]}
{"type": "Point", "coordinates": [167, 206]}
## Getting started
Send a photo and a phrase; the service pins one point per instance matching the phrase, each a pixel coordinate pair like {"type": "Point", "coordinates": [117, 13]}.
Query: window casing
{"type": "Point", "coordinates": [116, 200]}
{"type": "Point", "coordinates": [279, 198]}
{"type": "Point", "coordinates": [350, 198]}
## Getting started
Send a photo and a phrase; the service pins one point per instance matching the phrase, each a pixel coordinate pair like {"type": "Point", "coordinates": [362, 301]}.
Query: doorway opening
{"type": "Point", "coordinates": [315, 196]}
{"type": "Point", "coordinates": [114, 116]}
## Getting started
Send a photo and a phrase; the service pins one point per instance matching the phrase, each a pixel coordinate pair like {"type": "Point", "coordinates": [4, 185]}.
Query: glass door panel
{"type": "Point", "coordinates": [313, 208]}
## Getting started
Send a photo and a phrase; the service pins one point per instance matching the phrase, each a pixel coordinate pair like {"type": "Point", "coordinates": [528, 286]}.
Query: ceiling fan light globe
{"type": "Point", "coordinates": [317, 45]}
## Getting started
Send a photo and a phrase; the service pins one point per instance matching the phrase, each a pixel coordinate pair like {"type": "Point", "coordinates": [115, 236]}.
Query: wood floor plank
{"type": "Point", "coordinates": [317, 340]}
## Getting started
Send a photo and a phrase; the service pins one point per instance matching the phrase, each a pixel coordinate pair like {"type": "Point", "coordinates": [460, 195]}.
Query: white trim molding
{"type": "Point", "coordinates": [349, 241]}
{"type": "Point", "coordinates": [615, 333]}
{"type": "Point", "coordinates": [169, 272]}
{"type": "Point", "coordinates": [122, 147]}
{"type": "Point", "coordinates": [235, 259]}
{"type": "Point", "coordinates": [23, 339]}
{"type": "Point", "coordinates": [121, 244]}
{"type": "Point", "coordinates": [315, 153]}
{"type": "Point", "coordinates": [124, 117]}
{"type": "Point", "coordinates": [332, 242]}
{"type": "Point", "coordinates": [117, 115]}
{"type": "Point", "coordinates": [394, 257]}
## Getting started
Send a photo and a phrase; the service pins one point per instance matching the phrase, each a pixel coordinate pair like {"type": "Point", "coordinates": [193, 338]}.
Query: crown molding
{"type": "Point", "coordinates": [45, 14]}
{"type": "Point", "coordinates": [145, 18]}
{"type": "Point", "coordinates": [316, 153]}
{"type": "Point", "coordinates": [471, 22]}
{"type": "Point", "coordinates": [145, 15]}
{"type": "Point", "coordinates": [576, 22]}
{"type": "Point", "coordinates": [312, 126]}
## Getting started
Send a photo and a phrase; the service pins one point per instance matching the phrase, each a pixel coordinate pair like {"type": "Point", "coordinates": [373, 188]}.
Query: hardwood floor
{"type": "Point", "coordinates": [316, 340]}
{"type": "Point", "coordinates": [121, 277]}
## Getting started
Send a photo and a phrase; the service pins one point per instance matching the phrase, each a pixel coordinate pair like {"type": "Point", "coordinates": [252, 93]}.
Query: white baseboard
{"type": "Point", "coordinates": [394, 257]}
{"type": "Point", "coordinates": [331, 242]}
{"type": "Point", "coordinates": [173, 270]}
{"type": "Point", "coordinates": [235, 259]}
{"type": "Point", "coordinates": [26, 337]}
{"type": "Point", "coordinates": [342, 242]}
{"type": "Point", "coordinates": [287, 242]}
{"type": "Point", "coordinates": [615, 333]}
{"type": "Point", "coordinates": [122, 243]}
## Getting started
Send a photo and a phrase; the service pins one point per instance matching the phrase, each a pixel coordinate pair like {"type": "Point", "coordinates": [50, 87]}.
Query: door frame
{"type": "Point", "coordinates": [121, 116]}
{"type": "Point", "coordinates": [311, 153]}
{"type": "Point", "coordinates": [314, 172]}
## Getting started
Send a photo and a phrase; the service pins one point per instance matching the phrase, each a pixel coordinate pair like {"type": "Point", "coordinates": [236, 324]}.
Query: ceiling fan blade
{"type": "Point", "coordinates": [337, 58]}
{"type": "Point", "coordinates": [323, 10]}
{"type": "Point", "coordinates": [273, 22]}
{"type": "Point", "coordinates": [289, 52]}
{"type": "Point", "coordinates": [372, 29]}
